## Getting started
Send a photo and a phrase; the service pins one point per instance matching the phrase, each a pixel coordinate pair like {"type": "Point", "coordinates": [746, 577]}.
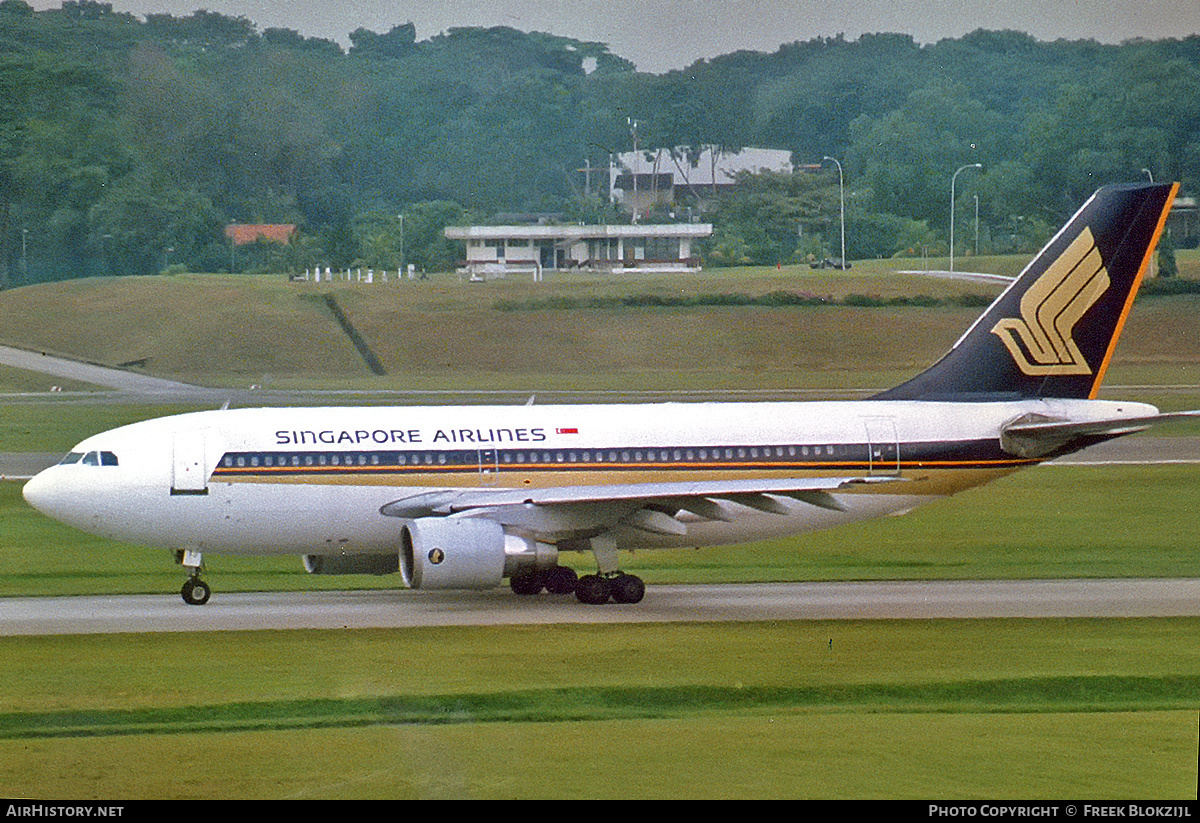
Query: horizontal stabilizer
{"type": "Point", "coordinates": [1035, 436]}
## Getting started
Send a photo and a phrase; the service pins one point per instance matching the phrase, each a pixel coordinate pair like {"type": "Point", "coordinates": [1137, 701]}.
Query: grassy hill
{"type": "Point", "coordinates": [445, 333]}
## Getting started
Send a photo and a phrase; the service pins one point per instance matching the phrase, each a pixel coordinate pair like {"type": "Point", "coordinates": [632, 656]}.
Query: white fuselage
{"type": "Point", "coordinates": [313, 480]}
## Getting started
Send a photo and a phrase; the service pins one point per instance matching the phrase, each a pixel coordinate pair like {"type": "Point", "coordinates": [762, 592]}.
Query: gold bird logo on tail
{"type": "Point", "coordinates": [1041, 341]}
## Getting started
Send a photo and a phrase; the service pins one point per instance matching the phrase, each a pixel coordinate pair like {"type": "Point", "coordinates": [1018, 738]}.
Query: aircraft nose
{"type": "Point", "coordinates": [39, 492]}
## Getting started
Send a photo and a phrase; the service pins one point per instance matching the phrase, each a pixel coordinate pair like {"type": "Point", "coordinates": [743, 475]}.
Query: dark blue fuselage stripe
{"type": "Point", "coordinates": [954, 454]}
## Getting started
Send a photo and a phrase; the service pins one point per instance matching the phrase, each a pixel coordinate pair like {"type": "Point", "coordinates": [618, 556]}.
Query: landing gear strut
{"type": "Point", "coordinates": [195, 592]}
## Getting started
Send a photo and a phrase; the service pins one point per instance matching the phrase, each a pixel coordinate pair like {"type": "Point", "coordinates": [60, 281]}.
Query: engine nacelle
{"type": "Point", "coordinates": [351, 563]}
{"type": "Point", "coordinates": [466, 553]}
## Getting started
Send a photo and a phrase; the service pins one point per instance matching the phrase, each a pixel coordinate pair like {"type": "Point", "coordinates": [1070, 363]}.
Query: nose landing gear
{"type": "Point", "coordinates": [195, 592]}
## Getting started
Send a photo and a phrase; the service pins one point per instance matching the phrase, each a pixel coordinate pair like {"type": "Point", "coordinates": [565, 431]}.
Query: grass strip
{"type": "Point", "coordinates": [1025, 695]}
{"type": "Point", "coordinates": [775, 298]}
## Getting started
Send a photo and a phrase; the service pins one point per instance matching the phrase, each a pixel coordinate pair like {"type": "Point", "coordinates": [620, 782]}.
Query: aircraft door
{"type": "Point", "coordinates": [489, 466]}
{"type": "Point", "coordinates": [190, 462]}
{"type": "Point", "coordinates": [883, 446]}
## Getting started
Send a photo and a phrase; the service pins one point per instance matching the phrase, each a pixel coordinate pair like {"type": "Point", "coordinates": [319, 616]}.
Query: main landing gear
{"type": "Point", "coordinates": [609, 582]}
{"type": "Point", "coordinates": [596, 589]}
{"type": "Point", "coordinates": [593, 589]}
{"type": "Point", "coordinates": [195, 592]}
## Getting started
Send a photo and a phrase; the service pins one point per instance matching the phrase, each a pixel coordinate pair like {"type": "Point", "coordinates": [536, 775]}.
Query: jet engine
{"type": "Point", "coordinates": [466, 553]}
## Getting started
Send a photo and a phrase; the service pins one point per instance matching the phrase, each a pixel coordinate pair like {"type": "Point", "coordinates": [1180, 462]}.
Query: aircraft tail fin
{"type": "Point", "coordinates": [1053, 331]}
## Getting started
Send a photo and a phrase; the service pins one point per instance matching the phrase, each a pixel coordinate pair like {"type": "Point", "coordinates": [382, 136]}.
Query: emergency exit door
{"type": "Point", "coordinates": [190, 463]}
{"type": "Point", "coordinates": [883, 446]}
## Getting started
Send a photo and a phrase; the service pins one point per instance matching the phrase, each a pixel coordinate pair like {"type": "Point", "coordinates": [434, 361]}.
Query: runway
{"type": "Point", "coordinates": [904, 600]}
{"type": "Point", "coordinates": [119, 379]}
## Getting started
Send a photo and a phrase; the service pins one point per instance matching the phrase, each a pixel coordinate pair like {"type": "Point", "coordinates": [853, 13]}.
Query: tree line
{"type": "Point", "coordinates": [127, 144]}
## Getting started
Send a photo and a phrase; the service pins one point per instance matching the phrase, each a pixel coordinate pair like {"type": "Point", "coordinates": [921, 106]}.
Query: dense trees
{"type": "Point", "coordinates": [126, 145]}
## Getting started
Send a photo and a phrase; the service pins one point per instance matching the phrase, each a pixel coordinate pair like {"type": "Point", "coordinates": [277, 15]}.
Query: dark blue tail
{"type": "Point", "coordinates": [1053, 331]}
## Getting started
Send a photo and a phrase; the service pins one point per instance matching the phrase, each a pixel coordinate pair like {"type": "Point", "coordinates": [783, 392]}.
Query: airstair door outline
{"type": "Point", "coordinates": [883, 445]}
{"type": "Point", "coordinates": [190, 462]}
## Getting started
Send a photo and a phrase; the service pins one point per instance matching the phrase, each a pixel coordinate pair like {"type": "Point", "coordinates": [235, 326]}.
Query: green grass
{"type": "Point", "coordinates": [1131, 756]}
{"type": "Point", "coordinates": [986, 708]}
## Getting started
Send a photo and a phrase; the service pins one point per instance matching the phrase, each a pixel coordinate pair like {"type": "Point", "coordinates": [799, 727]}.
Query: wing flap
{"type": "Point", "coordinates": [700, 497]}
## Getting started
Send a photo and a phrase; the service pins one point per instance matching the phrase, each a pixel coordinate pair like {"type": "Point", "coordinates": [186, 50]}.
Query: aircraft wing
{"type": "Point", "coordinates": [653, 507]}
{"type": "Point", "coordinates": [1035, 436]}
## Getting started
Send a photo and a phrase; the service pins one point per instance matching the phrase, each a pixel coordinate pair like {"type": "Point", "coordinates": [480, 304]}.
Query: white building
{"type": "Point", "coordinates": [496, 250]}
{"type": "Point", "coordinates": [640, 180]}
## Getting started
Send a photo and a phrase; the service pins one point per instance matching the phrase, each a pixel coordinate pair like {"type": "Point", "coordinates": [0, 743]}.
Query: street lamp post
{"type": "Point", "coordinates": [400, 275]}
{"type": "Point", "coordinates": [977, 225]}
{"type": "Point", "coordinates": [842, 201]}
{"type": "Point", "coordinates": [636, 165]}
{"type": "Point", "coordinates": [952, 179]}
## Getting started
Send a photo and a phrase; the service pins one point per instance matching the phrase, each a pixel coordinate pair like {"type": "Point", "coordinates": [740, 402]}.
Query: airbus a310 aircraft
{"type": "Point", "coordinates": [463, 497]}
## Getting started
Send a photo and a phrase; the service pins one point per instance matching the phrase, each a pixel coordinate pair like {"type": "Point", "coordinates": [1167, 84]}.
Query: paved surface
{"type": "Point", "coordinates": [90, 373]}
{"type": "Point", "coordinates": [752, 602]}
{"type": "Point", "coordinates": [21, 466]}
{"type": "Point", "coordinates": [977, 276]}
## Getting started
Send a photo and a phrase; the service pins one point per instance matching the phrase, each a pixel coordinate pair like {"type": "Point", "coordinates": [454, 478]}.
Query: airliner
{"type": "Point", "coordinates": [465, 497]}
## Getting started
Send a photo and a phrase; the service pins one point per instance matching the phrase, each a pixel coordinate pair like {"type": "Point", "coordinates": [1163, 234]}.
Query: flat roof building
{"type": "Point", "coordinates": [495, 250]}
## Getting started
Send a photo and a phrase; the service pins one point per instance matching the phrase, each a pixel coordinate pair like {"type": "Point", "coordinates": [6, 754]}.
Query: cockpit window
{"type": "Point", "coordinates": [96, 458]}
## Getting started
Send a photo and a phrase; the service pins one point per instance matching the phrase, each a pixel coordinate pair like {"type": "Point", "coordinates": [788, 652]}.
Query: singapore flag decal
{"type": "Point", "coordinates": [567, 431]}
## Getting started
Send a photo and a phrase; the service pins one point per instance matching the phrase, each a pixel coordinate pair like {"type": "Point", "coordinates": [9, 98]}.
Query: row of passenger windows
{"type": "Point", "coordinates": [90, 459]}
{"type": "Point", "coordinates": [516, 457]}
